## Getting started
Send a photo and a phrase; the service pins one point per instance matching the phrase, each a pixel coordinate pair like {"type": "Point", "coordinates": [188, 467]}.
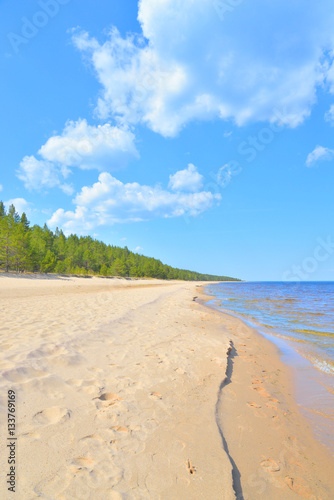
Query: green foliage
{"type": "Point", "coordinates": [36, 249]}
{"type": "Point", "coordinates": [2, 210]}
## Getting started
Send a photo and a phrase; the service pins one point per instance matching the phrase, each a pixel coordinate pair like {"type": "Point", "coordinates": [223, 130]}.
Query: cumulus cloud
{"type": "Point", "coordinates": [186, 180]}
{"type": "Point", "coordinates": [21, 205]}
{"type": "Point", "coordinates": [319, 154]}
{"type": "Point", "coordinates": [85, 146]}
{"type": "Point", "coordinates": [109, 201]}
{"type": "Point", "coordinates": [190, 64]}
{"type": "Point", "coordinates": [102, 147]}
{"type": "Point", "coordinates": [41, 174]}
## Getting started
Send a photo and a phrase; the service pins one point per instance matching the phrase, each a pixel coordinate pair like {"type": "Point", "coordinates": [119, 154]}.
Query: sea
{"type": "Point", "coordinates": [299, 318]}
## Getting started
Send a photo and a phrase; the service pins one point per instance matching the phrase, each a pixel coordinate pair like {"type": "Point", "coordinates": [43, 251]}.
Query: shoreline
{"type": "Point", "coordinates": [314, 388]}
{"type": "Point", "coordinates": [273, 443]}
{"type": "Point", "coordinates": [131, 390]}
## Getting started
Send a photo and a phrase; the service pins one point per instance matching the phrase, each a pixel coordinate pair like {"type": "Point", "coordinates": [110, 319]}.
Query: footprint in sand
{"type": "Point", "coordinates": [191, 468]}
{"type": "Point", "coordinates": [23, 374]}
{"type": "Point", "coordinates": [246, 358]}
{"type": "Point", "coordinates": [265, 394]}
{"type": "Point", "coordinates": [155, 395]}
{"type": "Point", "coordinates": [257, 412]}
{"type": "Point", "coordinates": [180, 371]}
{"type": "Point", "coordinates": [120, 428]}
{"type": "Point", "coordinates": [53, 415]}
{"type": "Point", "coordinates": [33, 436]}
{"type": "Point", "coordinates": [92, 438]}
{"type": "Point", "coordinates": [107, 399]}
{"type": "Point", "coordinates": [299, 486]}
{"type": "Point", "coordinates": [253, 405]}
{"type": "Point", "coordinates": [257, 381]}
{"type": "Point", "coordinates": [270, 465]}
{"type": "Point", "coordinates": [109, 396]}
{"type": "Point", "coordinates": [86, 462]}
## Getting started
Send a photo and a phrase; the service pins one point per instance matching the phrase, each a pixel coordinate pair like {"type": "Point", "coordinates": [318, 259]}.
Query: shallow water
{"type": "Point", "coordinates": [299, 318]}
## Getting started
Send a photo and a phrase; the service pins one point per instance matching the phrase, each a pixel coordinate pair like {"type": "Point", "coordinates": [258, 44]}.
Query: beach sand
{"type": "Point", "coordinates": [131, 389]}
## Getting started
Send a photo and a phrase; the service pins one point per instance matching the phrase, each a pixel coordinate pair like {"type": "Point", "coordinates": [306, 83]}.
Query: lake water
{"type": "Point", "coordinates": [299, 318]}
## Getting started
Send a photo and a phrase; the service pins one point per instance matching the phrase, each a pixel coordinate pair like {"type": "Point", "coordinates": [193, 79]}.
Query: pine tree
{"type": "Point", "coordinates": [48, 263]}
{"type": "Point", "coordinates": [2, 210]}
{"type": "Point", "coordinates": [24, 221]}
{"type": "Point", "coordinates": [104, 270]}
{"type": "Point", "coordinates": [6, 243]}
{"type": "Point", "coordinates": [13, 215]}
{"type": "Point", "coordinates": [20, 243]}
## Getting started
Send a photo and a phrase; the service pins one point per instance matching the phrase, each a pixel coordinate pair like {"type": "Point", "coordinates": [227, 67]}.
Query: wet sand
{"type": "Point", "coordinates": [270, 443]}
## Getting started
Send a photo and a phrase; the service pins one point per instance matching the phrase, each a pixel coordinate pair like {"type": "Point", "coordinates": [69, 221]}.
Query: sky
{"type": "Point", "coordinates": [198, 132]}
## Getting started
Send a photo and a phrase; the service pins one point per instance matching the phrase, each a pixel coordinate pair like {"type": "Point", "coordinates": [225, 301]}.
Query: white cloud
{"type": "Point", "coordinates": [1, 188]}
{"type": "Point", "coordinates": [41, 174]}
{"type": "Point", "coordinates": [138, 249]}
{"type": "Point", "coordinates": [224, 175]}
{"type": "Point", "coordinates": [109, 201]}
{"type": "Point", "coordinates": [85, 146]}
{"type": "Point", "coordinates": [329, 116]}
{"type": "Point", "coordinates": [319, 154]}
{"type": "Point", "coordinates": [186, 180]}
{"type": "Point", "coordinates": [80, 145]}
{"type": "Point", "coordinates": [21, 205]}
{"type": "Point", "coordinates": [261, 63]}
{"type": "Point", "coordinates": [330, 73]}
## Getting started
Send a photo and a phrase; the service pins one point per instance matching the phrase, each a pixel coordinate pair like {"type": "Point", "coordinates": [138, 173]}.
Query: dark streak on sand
{"type": "Point", "coordinates": [231, 353]}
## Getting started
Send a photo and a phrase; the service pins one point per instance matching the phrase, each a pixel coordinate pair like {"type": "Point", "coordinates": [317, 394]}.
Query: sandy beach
{"type": "Point", "coordinates": [134, 389]}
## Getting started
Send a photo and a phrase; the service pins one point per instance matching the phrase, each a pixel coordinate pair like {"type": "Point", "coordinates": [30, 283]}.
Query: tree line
{"type": "Point", "coordinates": [38, 249]}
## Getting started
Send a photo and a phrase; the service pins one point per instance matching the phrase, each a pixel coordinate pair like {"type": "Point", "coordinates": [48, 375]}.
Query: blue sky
{"type": "Point", "coordinates": [199, 132]}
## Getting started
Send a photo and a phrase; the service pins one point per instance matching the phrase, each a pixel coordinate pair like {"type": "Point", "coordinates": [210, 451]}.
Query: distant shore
{"type": "Point", "coordinates": [134, 387]}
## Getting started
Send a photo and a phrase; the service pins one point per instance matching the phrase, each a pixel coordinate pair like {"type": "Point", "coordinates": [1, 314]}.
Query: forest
{"type": "Point", "coordinates": [36, 249]}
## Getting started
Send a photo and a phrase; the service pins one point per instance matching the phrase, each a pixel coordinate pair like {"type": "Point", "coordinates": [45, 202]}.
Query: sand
{"type": "Point", "coordinates": [131, 389]}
